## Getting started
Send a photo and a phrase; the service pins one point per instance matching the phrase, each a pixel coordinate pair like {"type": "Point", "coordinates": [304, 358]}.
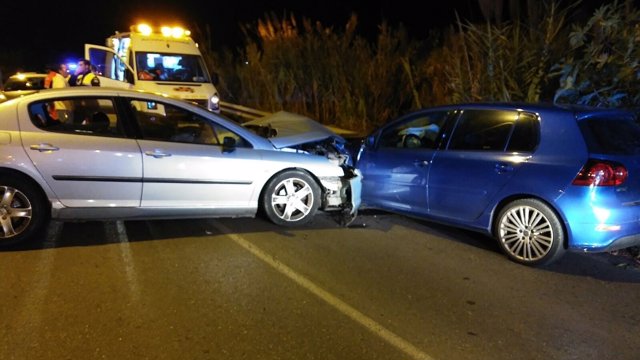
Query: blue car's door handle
{"type": "Point", "coordinates": [502, 168]}
{"type": "Point", "coordinates": [421, 162]}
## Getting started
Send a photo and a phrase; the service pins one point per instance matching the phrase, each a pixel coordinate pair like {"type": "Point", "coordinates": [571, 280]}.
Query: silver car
{"type": "Point", "coordinates": [22, 84]}
{"type": "Point", "coordinates": [97, 153]}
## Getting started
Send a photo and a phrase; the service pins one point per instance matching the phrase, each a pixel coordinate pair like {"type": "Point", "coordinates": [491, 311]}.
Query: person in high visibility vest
{"type": "Point", "coordinates": [84, 75]}
{"type": "Point", "coordinates": [58, 110]}
{"type": "Point", "coordinates": [63, 69]}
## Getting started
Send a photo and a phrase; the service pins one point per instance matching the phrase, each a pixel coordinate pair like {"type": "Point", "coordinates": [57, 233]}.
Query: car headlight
{"type": "Point", "coordinates": [215, 100]}
{"type": "Point", "coordinates": [2, 97]}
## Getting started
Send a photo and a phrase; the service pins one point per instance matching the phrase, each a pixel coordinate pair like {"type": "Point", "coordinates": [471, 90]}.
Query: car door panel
{"type": "Point", "coordinates": [195, 175]}
{"type": "Point", "coordinates": [463, 183]}
{"type": "Point", "coordinates": [83, 167]}
{"type": "Point", "coordinates": [396, 179]}
{"type": "Point", "coordinates": [466, 175]}
{"type": "Point", "coordinates": [395, 167]}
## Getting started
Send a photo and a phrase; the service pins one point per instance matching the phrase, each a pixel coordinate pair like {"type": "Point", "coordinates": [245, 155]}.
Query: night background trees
{"type": "Point", "coordinates": [527, 51]}
{"type": "Point", "coordinates": [358, 65]}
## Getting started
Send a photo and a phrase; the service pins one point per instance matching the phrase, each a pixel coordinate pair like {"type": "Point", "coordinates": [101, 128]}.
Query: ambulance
{"type": "Point", "coordinates": [162, 60]}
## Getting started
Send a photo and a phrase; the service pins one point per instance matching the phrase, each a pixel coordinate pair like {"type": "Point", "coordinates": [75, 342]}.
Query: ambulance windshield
{"type": "Point", "coordinates": [170, 67]}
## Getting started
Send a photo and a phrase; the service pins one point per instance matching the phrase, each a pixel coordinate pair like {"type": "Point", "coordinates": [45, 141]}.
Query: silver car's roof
{"type": "Point", "coordinates": [256, 141]}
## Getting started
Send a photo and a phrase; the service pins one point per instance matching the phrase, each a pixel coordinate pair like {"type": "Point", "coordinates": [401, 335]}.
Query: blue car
{"type": "Point", "coordinates": [540, 179]}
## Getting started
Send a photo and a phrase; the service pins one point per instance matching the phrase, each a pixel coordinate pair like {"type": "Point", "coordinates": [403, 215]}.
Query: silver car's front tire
{"type": "Point", "coordinates": [22, 210]}
{"type": "Point", "coordinates": [530, 232]}
{"type": "Point", "coordinates": [291, 198]}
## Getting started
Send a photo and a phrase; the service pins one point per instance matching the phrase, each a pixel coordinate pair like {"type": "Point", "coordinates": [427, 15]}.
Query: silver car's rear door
{"type": "Point", "coordinates": [82, 154]}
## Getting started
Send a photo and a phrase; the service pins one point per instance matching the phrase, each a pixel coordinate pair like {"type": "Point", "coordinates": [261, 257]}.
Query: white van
{"type": "Point", "coordinates": [165, 61]}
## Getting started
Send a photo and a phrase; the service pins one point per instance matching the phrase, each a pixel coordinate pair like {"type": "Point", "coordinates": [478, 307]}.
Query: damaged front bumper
{"type": "Point", "coordinates": [342, 195]}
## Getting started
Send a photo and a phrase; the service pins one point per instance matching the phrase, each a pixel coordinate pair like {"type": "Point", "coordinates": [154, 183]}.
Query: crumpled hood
{"type": "Point", "coordinates": [293, 129]}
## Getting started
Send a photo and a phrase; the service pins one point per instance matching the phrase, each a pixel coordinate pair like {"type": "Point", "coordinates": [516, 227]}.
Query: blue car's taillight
{"type": "Point", "coordinates": [601, 173]}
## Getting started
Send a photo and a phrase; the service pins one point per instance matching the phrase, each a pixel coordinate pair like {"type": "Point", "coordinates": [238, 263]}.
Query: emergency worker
{"type": "Point", "coordinates": [55, 79]}
{"type": "Point", "coordinates": [64, 71]}
{"type": "Point", "coordinates": [84, 75]}
{"type": "Point", "coordinates": [58, 110]}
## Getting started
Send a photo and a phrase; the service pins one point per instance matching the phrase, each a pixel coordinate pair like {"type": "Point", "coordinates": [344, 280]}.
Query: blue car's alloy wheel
{"type": "Point", "coordinates": [529, 232]}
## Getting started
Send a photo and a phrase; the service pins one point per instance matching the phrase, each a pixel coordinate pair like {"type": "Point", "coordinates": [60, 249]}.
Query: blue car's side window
{"type": "Point", "coordinates": [420, 131]}
{"type": "Point", "coordinates": [483, 130]}
{"type": "Point", "coordinates": [526, 133]}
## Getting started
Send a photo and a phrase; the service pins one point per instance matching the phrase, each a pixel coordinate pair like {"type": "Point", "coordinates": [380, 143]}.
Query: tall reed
{"type": "Point", "coordinates": [338, 77]}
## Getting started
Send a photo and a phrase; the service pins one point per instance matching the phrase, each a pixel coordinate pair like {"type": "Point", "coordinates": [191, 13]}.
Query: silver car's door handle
{"type": "Point", "coordinates": [44, 147]}
{"type": "Point", "coordinates": [157, 154]}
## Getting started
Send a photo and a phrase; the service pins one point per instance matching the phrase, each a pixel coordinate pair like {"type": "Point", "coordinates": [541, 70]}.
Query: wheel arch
{"type": "Point", "coordinates": [25, 177]}
{"type": "Point", "coordinates": [504, 202]}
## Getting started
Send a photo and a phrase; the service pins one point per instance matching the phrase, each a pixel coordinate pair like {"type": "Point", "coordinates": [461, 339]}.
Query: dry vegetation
{"type": "Point", "coordinates": [339, 78]}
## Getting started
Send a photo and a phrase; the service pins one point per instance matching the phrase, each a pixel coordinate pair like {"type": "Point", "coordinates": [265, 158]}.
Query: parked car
{"type": "Point", "coordinates": [22, 84]}
{"type": "Point", "coordinates": [540, 179]}
{"type": "Point", "coordinates": [96, 153]}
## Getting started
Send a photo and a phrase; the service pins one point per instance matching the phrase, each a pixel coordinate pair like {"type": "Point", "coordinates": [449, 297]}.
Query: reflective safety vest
{"type": "Point", "coordinates": [88, 79]}
{"type": "Point", "coordinates": [48, 81]}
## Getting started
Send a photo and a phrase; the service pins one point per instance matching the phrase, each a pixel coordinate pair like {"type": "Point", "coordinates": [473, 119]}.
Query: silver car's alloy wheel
{"type": "Point", "coordinates": [15, 212]}
{"type": "Point", "coordinates": [292, 199]}
{"type": "Point", "coordinates": [526, 233]}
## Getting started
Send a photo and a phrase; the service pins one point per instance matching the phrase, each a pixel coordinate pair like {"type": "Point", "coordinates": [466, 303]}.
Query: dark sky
{"type": "Point", "coordinates": [41, 33]}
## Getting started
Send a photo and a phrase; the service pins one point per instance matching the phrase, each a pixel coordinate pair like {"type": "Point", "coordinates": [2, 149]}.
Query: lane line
{"type": "Point", "coordinates": [120, 232]}
{"type": "Point", "coordinates": [370, 324]}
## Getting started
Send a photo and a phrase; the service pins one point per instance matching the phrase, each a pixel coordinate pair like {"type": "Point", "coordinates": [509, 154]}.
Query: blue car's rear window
{"type": "Point", "coordinates": [612, 136]}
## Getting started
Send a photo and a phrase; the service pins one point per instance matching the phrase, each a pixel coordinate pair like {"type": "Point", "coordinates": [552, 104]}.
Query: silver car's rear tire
{"type": "Point", "coordinates": [23, 210]}
{"type": "Point", "coordinates": [529, 232]}
{"type": "Point", "coordinates": [291, 198]}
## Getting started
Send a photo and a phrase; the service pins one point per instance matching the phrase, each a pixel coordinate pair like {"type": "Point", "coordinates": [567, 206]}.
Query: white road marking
{"type": "Point", "coordinates": [120, 233]}
{"type": "Point", "coordinates": [370, 324]}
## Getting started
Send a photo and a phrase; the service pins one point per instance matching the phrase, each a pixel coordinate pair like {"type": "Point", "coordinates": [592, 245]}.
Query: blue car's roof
{"type": "Point", "coordinates": [579, 111]}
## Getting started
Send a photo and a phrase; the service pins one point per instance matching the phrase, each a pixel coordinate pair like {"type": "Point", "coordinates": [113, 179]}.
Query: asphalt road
{"type": "Point", "coordinates": [388, 287]}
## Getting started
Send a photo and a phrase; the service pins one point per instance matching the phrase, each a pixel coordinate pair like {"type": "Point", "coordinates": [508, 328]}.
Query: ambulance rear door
{"type": "Point", "coordinates": [113, 71]}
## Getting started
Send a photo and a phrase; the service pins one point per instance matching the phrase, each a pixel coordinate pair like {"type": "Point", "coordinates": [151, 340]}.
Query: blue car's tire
{"type": "Point", "coordinates": [529, 232]}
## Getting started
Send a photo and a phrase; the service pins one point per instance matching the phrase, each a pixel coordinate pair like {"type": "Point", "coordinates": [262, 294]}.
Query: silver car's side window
{"type": "Point", "coordinates": [78, 115]}
{"type": "Point", "coordinates": [165, 122]}
{"type": "Point", "coordinates": [223, 132]}
{"type": "Point", "coordinates": [420, 131]}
